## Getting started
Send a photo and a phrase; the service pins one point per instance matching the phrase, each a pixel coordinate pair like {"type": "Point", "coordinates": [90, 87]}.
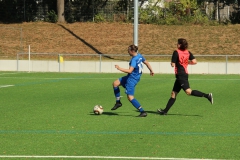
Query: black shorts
{"type": "Point", "coordinates": [181, 82]}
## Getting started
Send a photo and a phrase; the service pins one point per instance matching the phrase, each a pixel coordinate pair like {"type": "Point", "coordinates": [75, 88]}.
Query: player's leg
{"type": "Point", "coordinates": [172, 99]}
{"type": "Point", "coordinates": [137, 105]}
{"type": "Point", "coordinates": [197, 93]}
{"type": "Point", "coordinates": [116, 90]}
{"type": "Point", "coordinates": [130, 89]}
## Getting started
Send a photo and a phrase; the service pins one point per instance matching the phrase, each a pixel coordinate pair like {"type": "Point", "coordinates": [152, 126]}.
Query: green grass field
{"type": "Point", "coordinates": [50, 115]}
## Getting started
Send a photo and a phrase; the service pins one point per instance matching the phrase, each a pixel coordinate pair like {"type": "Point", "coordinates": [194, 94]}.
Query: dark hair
{"type": "Point", "coordinates": [133, 48]}
{"type": "Point", "coordinates": [183, 43]}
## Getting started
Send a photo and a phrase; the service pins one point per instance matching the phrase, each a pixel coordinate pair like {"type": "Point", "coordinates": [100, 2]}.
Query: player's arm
{"type": "Point", "coordinates": [192, 59]}
{"type": "Point", "coordinates": [149, 67]}
{"type": "Point", "coordinates": [174, 58]}
{"type": "Point", "coordinates": [192, 62]}
{"type": "Point", "coordinates": [124, 70]}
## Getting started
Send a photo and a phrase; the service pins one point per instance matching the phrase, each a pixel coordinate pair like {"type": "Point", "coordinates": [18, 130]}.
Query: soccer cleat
{"type": "Point", "coordinates": [117, 105]}
{"type": "Point", "coordinates": [210, 98]}
{"type": "Point", "coordinates": [143, 114]}
{"type": "Point", "coordinates": [161, 112]}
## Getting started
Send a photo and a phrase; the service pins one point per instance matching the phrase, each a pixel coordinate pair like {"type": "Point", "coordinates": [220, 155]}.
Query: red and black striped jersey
{"type": "Point", "coordinates": [181, 58]}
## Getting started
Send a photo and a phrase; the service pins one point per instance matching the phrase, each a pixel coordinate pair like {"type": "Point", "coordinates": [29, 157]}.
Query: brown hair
{"type": "Point", "coordinates": [183, 43]}
{"type": "Point", "coordinates": [133, 48]}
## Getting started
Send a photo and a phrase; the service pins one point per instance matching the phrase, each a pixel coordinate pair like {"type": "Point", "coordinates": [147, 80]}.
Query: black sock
{"type": "Point", "coordinates": [169, 104]}
{"type": "Point", "coordinates": [198, 94]}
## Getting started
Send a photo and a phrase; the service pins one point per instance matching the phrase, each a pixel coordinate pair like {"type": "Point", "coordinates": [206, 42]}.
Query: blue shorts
{"type": "Point", "coordinates": [129, 84]}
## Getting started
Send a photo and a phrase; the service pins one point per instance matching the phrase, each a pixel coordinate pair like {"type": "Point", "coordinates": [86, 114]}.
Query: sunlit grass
{"type": "Point", "coordinates": [50, 114]}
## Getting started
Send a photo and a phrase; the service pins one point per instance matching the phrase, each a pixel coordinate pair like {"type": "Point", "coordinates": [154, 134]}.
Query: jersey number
{"type": "Point", "coordinates": [140, 66]}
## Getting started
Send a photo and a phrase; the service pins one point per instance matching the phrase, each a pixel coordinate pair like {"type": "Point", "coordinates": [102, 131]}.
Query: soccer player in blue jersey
{"type": "Point", "coordinates": [181, 58]}
{"type": "Point", "coordinates": [129, 81]}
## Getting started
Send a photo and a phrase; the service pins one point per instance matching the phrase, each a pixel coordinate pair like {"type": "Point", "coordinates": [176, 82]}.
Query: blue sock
{"type": "Point", "coordinates": [137, 105]}
{"type": "Point", "coordinates": [117, 93]}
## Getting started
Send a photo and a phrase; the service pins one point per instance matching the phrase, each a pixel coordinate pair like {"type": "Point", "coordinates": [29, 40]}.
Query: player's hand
{"type": "Point", "coordinates": [116, 66]}
{"type": "Point", "coordinates": [151, 73]}
{"type": "Point", "coordinates": [172, 64]}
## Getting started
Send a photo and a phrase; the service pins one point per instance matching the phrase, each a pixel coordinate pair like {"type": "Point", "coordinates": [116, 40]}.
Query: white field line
{"type": "Point", "coordinates": [5, 86]}
{"type": "Point", "coordinates": [7, 73]}
{"type": "Point", "coordinates": [202, 79]}
{"type": "Point", "coordinates": [99, 157]}
{"type": "Point", "coordinates": [54, 78]}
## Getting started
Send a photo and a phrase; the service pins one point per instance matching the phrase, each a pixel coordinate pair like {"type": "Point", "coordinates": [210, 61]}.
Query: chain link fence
{"type": "Point", "coordinates": [99, 10]}
{"type": "Point", "coordinates": [75, 10]}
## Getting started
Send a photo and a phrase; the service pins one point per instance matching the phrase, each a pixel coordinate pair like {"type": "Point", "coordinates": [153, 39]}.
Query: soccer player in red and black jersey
{"type": "Point", "coordinates": [181, 58]}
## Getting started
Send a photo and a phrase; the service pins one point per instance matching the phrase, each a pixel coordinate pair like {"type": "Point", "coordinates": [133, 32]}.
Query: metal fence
{"type": "Point", "coordinates": [74, 10]}
{"type": "Point", "coordinates": [120, 57]}
{"type": "Point", "coordinates": [111, 10]}
{"type": "Point", "coordinates": [228, 64]}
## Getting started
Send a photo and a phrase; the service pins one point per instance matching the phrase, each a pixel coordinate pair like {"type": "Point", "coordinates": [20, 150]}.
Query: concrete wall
{"type": "Point", "coordinates": [108, 67]}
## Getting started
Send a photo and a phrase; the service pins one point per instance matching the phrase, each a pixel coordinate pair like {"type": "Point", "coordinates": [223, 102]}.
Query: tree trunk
{"type": "Point", "coordinates": [60, 8]}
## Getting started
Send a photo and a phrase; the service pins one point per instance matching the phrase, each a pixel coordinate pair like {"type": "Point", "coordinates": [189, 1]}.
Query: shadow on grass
{"type": "Point", "coordinates": [155, 112]}
{"type": "Point", "coordinates": [114, 114]}
{"type": "Point", "coordinates": [104, 113]}
{"type": "Point", "coordinates": [86, 43]}
{"type": "Point", "coordinates": [184, 115]}
{"type": "Point", "coordinates": [149, 112]}
{"type": "Point", "coordinates": [108, 114]}
{"type": "Point", "coordinates": [89, 45]}
{"type": "Point", "coordinates": [82, 40]}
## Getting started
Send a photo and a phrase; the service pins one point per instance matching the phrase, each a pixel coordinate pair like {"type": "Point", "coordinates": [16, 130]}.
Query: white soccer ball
{"type": "Point", "coordinates": [98, 109]}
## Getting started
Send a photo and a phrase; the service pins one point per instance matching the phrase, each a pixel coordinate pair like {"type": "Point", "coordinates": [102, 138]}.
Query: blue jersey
{"type": "Point", "coordinates": [137, 63]}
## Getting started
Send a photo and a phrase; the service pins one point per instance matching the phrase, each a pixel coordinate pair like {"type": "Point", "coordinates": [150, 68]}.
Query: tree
{"type": "Point", "coordinates": [60, 10]}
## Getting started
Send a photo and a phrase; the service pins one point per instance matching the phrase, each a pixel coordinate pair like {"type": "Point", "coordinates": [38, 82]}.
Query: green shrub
{"type": "Point", "coordinates": [99, 18]}
{"type": "Point", "coordinates": [51, 17]}
{"type": "Point", "coordinates": [185, 12]}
